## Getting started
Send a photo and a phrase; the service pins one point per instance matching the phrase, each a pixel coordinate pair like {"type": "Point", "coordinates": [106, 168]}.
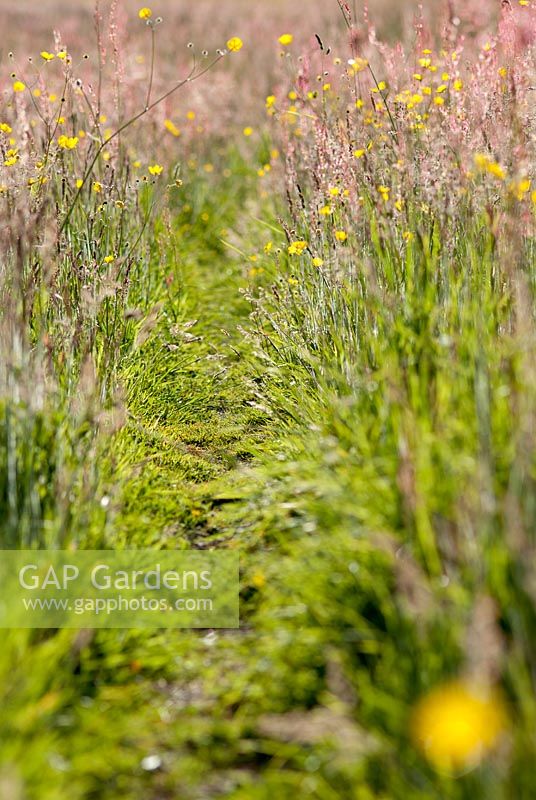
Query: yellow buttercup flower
{"type": "Point", "coordinates": [341, 236]}
{"type": "Point", "coordinates": [68, 142]}
{"type": "Point", "coordinates": [46, 56]}
{"type": "Point", "coordinates": [457, 724]}
{"type": "Point", "coordinates": [235, 44]}
{"type": "Point", "coordinates": [285, 39]}
{"type": "Point", "coordinates": [171, 127]}
{"type": "Point", "coordinates": [156, 169]}
{"type": "Point", "coordinates": [19, 86]}
{"type": "Point", "coordinates": [97, 187]}
{"type": "Point", "coordinates": [145, 13]}
{"type": "Point", "coordinates": [486, 164]}
{"type": "Point", "coordinates": [297, 248]}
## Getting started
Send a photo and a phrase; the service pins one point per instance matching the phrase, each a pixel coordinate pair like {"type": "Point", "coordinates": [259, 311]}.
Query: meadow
{"type": "Point", "coordinates": [267, 284]}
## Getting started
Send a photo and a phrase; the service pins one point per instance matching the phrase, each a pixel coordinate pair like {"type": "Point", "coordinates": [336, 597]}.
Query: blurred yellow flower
{"type": "Point", "coordinates": [171, 127]}
{"type": "Point", "coordinates": [46, 55]}
{"type": "Point", "coordinates": [341, 236]}
{"type": "Point", "coordinates": [156, 169]}
{"type": "Point", "coordinates": [5, 128]}
{"type": "Point", "coordinates": [457, 724]}
{"type": "Point", "coordinates": [318, 262]}
{"type": "Point", "coordinates": [108, 259]}
{"type": "Point", "coordinates": [145, 13]}
{"type": "Point", "coordinates": [248, 131]}
{"type": "Point", "coordinates": [235, 44]}
{"type": "Point", "coordinates": [68, 142]}
{"type": "Point", "coordinates": [19, 86]}
{"type": "Point", "coordinates": [486, 164]}
{"type": "Point", "coordinates": [79, 183]}
{"type": "Point", "coordinates": [297, 248]}
{"type": "Point", "coordinates": [97, 187]}
{"type": "Point", "coordinates": [286, 39]}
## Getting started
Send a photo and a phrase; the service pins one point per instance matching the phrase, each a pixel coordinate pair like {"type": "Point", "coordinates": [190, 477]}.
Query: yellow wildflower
{"type": "Point", "coordinates": [46, 56]}
{"type": "Point", "coordinates": [457, 724]}
{"type": "Point", "coordinates": [248, 131]}
{"type": "Point", "coordinates": [171, 127]}
{"type": "Point", "coordinates": [97, 187]}
{"type": "Point", "coordinates": [145, 13]}
{"type": "Point", "coordinates": [155, 169]}
{"type": "Point", "coordinates": [235, 44]}
{"type": "Point", "coordinates": [19, 86]}
{"type": "Point", "coordinates": [297, 248]}
{"type": "Point", "coordinates": [68, 142]}
{"type": "Point", "coordinates": [341, 236]}
{"type": "Point", "coordinates": [285, 39]}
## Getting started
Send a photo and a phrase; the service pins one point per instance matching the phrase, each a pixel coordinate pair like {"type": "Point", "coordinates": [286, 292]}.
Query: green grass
{"type": "Point", "coordinates": [353, 465]}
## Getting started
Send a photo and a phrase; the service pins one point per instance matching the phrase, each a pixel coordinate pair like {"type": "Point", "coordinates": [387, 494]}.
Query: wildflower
{"type": "Point", "coordinates": [357, 65]}
{"type": "Point", "coordinates": [293, 282]}
{"type": "Point", "coordinates": [155, 169]}
{"type": "Point", "coordinates": [457, 724]}
{"type": "Point", "coordinates": [520, 188]}
{"type": "Point", "coordinates": [318, 262]}
{"type": "Point", "coordinates": [145, 13]}
{"type": "Point", "coordinates": [248, 131]}
{"type": "Point", "coordinates": [359, 153]}
{"type": "Point", "coordinates": [384, 191]}
{"type": "Point", "coordinates": [270, 101]}
{"type": "Point", "coordinates": [108, 259]}
{"type": "Point", "coordinates": [79, 183]}
{"type": "Point", "coordinates": [486, 164]}
{"type": "Point", "coordinates": [399, 204]}
{"type": "Point", "coordinates": [325, 211]}
{"type": "Point", "coordinates": [268, 247]}
{"type": "Point", "coordinates": [408, 236]}
{"type": "Point", "coordinates": [97, 187]}
{"type": "Point", "coordinates": [62, 54]}
{"type": "Point", "coordinates": [285, 39]}
{"type": "Point", "coordinates": [297, 248]}
{"type": "Point", "coordinates": [439, 101]}
{"type": "Point", "coordinates": [235, 44]}
{"type": "Point", "coordinates": [19, 86]}
{"type": "Point", "coordinates": [334, 191]}
{"type": "Point", "coordinates": [457, 85]}
{"type": "Point", "coordinates": [11, 160]}
{"type": "Point", "coordinates": [171, 127]}
{"type": "Point", "coordinates": [341, 236]}
{"type": "Point", "coordinates": [68, 142]}
{"type": "Point", "coordinates": [533, 197]}
{"type": "Point", "coordinates": [46, 56]}
{"type": "Point", "coordinates": [5, 128]}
